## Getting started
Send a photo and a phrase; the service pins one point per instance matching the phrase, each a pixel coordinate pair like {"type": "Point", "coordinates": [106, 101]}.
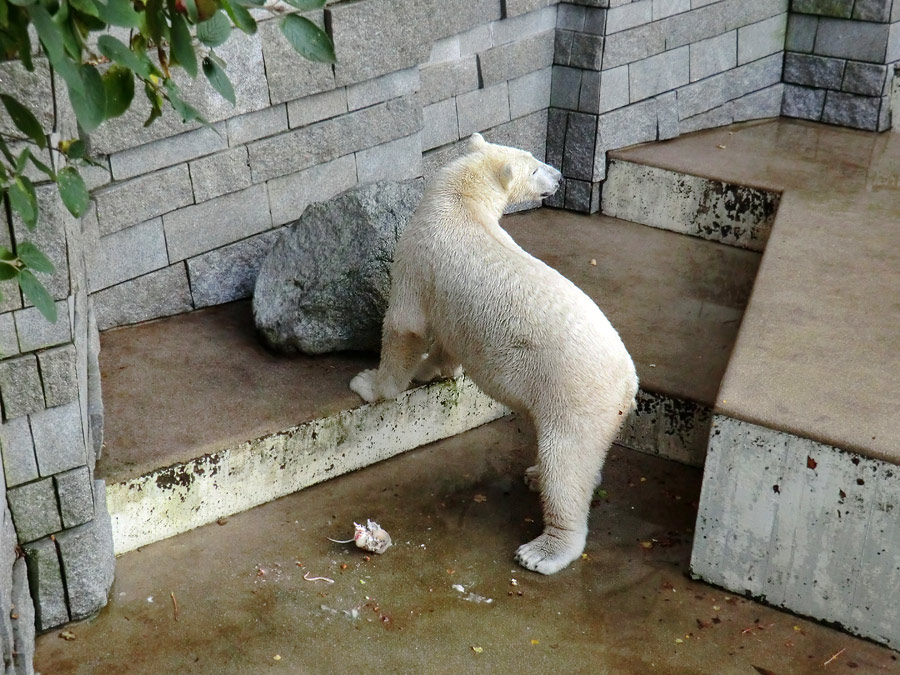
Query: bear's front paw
{"type": "Point", "coordinates": [550, 552]}
{"type": "Point", "coordinates": [364, 385]}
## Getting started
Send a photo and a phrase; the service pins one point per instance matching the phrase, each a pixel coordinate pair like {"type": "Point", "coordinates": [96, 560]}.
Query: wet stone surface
{"type": "Point", "coordinates": [456, 511]}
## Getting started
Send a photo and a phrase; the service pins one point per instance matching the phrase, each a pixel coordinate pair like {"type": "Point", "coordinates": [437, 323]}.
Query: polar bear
{"type": "Point", "coordinates": [464, 293]}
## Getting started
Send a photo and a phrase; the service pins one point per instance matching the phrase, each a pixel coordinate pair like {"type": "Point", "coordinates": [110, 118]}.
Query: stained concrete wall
{"type": "Point", "coordinates": [801, 525]}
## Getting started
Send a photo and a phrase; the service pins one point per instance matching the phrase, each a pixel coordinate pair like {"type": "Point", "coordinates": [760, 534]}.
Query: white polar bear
{"type": "Point", "coordinates": [464, 292]}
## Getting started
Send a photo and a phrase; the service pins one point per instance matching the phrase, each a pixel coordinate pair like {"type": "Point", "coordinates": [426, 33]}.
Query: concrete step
{"type": "Point", "coordinates": [800, 502]}
{"type": "Point", "coordinates": [202, 422]}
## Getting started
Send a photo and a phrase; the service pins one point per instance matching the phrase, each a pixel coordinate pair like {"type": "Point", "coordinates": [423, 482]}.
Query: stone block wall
{"type": "Point", "coordinates": [182, 216]}
{"type": "Point", "coordinates": [644, 70]}
{"type": "Point", "coordinates": [840, 61]}
{"type": "Point", "coordinates": [54, 516]}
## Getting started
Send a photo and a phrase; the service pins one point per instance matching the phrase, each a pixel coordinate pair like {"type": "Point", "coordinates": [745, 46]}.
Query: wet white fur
{"type": "Point", "coordinates": [466, 294]}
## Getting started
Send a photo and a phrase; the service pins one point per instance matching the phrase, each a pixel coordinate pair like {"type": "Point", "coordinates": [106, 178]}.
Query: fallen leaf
{"type": "Point", "coordinates": [479, 498]}
{"type": "Point", "coordinates": [221, 521]}
{"type": "Point", "coordinates": [763, 671]}
{"type": "Point", "coordinates": [811, 463]}
{"type": "Point", "coordinates": [535, 642]}
{"type": "Point", "coordinates": [646, 545]}
{"type": "Point", "coordinates": [594, 262]}
{"type": "Point", "coordinates": [678, 641]}
{"type": "Point", "coordinates": [277, 657]}
{"type": "Point", "coordinates": [721, 147]}
{"type": "Point", "coordinates": [67, 635]}
{"type": "Point", "coordinates": [477, 650]}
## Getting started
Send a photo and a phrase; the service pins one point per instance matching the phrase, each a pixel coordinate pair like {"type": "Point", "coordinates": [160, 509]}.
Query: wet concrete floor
{"type": "Point", "coordinates": [457, 510]}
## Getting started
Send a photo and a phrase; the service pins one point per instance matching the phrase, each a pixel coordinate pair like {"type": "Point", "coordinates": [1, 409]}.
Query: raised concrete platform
{"type": "Point", "coordinates": [800, 502]}
{"type": "Point", "coordinates": [202, 422]}
{"type": "Point", "coordinates": [456, 510]}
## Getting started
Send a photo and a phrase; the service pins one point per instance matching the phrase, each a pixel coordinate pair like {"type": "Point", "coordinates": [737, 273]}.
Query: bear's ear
{"type": "Point", "coordinates": [505, 175]}
{"type": "Point", "coordinates": [476, 142]}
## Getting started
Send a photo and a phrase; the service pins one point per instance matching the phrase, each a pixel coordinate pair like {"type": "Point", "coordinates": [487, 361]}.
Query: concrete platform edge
{"type": "Point", "coordinates": [178, 498]}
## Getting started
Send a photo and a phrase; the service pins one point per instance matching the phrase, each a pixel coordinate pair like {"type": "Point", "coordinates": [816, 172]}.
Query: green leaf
{"type": "Point", "coordinates": [52, 38]}
{"type": "Point", "coordinates": [22, 160]}
{"type": "Point", "coordinates": [186, 110]}
{"type": "Point", "coordinates": [191, 6]}
{"type": "Point", "coordinates": [34, 290]}
{"type": "Point", "coordinates": [23, 200]}
{"type": "Point", "coordinates": [7, 271]}
{"type": "Point", "coordinates": [308, 39]}
{"type": "Point", "coordinates": [24, 40]}
{"type": "Point", "coordinates": [215, 30]}
{"type": "Point", "coordinates": [182, 49]}
{"type": "Point", "coordinates": [73, 191]}
{"type": "Point", "coordinates": [71, 41]}
{"type": "Point", "coordinates": [305, 5]}
{"type": "Point", "coordinates": [4, 13]}
{"type": "Point", "coordinates": [85, 7]}
{"type": "Point", "coordinates": [156, 102]}
{"type": "Point", "coordinates": [90, 107]}
{"type": "Point", "coordinates": [32, 256]}
{"type": "Point", "coordinates": [218, 79]}
{"type": "Point", "coordinates": [76, 149]}
{"type": "Point", "coordinates": [239, 16]}
{"type": "Point", "coordinates": [24, 120]}
{"type": "Point", "coordinates": [4, 148]}
{"type": "Point", "coordinates": [154, 27]}
{"type": "Point", "coordinates": [22, 3]}
{"type": "Point", "coordinates": [118, 13]}
{"type": "Point", "coordinates": [43, 167]}
{"type": "Point", "coordinates": [118, 82]}
{"type": "Point", "coordinates": [252, 3]}
{"type": "Point", "coordinates": [117, 51]}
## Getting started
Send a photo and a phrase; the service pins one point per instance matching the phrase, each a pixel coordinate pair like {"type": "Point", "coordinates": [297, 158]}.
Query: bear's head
{"type": "Point", "coordinates": [522, 177]}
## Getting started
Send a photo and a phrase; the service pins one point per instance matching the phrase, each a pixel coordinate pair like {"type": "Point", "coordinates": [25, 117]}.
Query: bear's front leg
{"type": "Point", "coordinates": [401, 351]}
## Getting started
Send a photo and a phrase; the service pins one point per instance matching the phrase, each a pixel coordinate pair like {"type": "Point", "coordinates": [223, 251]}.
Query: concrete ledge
{"type": "Point", "coordinates": [180, 497]}
{"type": "Point", "coordinates": [701, 207]}
{"type": "Point", "coordinates": [801, 525]}
{"type": "Point", "coordinates": [668, 427]}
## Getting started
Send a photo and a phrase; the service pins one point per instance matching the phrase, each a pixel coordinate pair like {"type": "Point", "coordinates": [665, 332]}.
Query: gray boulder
{"type": "Point", "coordinates": [324, 286]}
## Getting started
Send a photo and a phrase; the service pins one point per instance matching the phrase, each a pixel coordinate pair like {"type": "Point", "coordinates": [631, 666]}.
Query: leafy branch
{"type": "Point", "coordinates": [101, 86]}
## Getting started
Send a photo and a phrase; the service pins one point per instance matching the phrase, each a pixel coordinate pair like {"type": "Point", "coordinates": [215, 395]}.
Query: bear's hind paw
{"type": "Point", "coordinates": [533, 478]}
{"type": "Point", "coordinates": [548, 554]}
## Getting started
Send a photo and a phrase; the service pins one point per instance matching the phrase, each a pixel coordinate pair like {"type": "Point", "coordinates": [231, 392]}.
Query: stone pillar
{"type": "Point", "coordinates": [51, 431]}
{"type": "Point", "coordinates": [839, 61]}
{"type": "Point", "coordinates": [633, 72]}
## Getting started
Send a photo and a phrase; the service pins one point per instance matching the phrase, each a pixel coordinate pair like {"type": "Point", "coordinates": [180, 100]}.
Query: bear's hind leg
{"type": "Point", "coordinates": [566, 474]}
